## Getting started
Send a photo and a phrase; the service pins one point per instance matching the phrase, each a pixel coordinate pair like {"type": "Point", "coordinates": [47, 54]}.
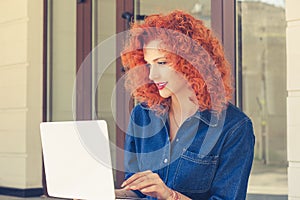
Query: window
{"type": "Point", "coordinates": [262, 65]}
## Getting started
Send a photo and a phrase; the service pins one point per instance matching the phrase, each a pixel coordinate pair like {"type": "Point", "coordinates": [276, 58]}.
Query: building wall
{"type": "Point", "coordinates": [21, 48]}
{"type": "Point", "coordinates": [293, 99]}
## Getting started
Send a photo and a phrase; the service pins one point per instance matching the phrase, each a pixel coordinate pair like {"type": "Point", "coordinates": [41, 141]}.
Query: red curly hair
{"type": "Point", "coordinates": [194, 51]}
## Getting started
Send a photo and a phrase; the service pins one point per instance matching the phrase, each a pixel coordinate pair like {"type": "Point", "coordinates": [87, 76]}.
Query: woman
{"type": "Point", "coordinates": [185, 140]}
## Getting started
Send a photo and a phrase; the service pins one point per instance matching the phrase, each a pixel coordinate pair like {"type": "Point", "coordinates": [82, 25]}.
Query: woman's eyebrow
{"type": "Point", "coordinates": [156, 59]}
{"type": "Point", "coordinates": [159, 58]}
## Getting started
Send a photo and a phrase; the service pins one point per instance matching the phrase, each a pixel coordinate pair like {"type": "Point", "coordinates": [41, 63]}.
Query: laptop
{"type": "Point", "coordinates": [77, 160]}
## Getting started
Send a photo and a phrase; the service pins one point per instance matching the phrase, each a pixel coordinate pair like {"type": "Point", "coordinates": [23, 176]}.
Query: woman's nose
{"type": "Point", "coordinates": [153, 72]}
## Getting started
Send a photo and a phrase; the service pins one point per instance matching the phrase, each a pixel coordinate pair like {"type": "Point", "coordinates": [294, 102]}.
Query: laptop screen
{"type": "Point", "coordinates": [77, 159]}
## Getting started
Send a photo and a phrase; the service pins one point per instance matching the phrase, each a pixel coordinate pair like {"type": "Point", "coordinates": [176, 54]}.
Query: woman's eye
{"type": "Point", "coordinates": [148, 65]}
{"type": "Point", "coordinates": [161, 62]}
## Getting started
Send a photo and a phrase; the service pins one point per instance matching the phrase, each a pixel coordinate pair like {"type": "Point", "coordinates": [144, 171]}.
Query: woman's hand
{"type": "Point", "coordinates": [148, 183]}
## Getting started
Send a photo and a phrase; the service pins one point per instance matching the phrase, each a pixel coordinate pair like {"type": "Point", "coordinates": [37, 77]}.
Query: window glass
{"type": "Point", "coordinates": [262, 61]}
{"type": "Point", "coordinates": [199, 9]}
{"type": "Point", "coordinates": [104, 29]}
{"type": "Point", "coordinates": [61, 59]}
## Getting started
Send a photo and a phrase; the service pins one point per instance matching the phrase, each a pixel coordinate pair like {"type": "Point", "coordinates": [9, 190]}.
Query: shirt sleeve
{"type": "Point", "coordinates": [130, 155]}
{"type": "Point", "coordinates": [231, 179]}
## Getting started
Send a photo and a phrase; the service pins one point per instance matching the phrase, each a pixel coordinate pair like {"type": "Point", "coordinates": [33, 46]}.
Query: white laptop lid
{"type": "Point", "coordinates": [77, 159]}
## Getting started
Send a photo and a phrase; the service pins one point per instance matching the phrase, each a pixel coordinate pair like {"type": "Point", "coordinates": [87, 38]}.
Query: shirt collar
{"type": "Point", "coordinates": [209, 117]}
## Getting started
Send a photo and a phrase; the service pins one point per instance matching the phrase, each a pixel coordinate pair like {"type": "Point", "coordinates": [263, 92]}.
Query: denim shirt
{"type": "Point", "coordinates": [210, 158]}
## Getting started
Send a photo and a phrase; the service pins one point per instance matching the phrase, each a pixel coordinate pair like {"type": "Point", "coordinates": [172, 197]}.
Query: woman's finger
{"type": "Point", "coordinates": [145, 181]}
{"type": "Point", "coordinates": [134, 185]}
{"type": "Point", "coordinates": [158, 191]}
{"type": "Point", "coordinates": [135, 177]}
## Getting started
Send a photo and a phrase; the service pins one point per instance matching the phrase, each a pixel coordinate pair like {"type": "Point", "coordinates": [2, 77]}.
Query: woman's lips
{"type": "Point", "coordinates": [161, 85]}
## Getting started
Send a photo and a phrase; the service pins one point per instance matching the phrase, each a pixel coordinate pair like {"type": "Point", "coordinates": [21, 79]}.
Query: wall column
{"type": "Point", "coordinates": [21, 65]}
{"type": "Point", "coordinates": [293, 99]}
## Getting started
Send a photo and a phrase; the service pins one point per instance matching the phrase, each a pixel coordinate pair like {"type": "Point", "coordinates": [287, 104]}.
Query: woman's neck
{"type": "Point", "coordinates": [184, 107]}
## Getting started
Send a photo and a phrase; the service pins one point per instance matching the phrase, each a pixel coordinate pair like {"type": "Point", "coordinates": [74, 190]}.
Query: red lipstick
{"type": "Point", "coordinates": [161, 85]}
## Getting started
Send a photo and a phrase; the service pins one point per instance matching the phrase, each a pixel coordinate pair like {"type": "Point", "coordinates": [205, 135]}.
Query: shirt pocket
{"type": "Point", "coordinates": [195, 172]}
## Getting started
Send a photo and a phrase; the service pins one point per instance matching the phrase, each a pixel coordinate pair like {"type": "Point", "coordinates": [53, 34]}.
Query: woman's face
{"type": "Point", "coordinates": [168, 81]}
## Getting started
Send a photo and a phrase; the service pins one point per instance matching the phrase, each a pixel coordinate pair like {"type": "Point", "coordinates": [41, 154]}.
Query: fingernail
{"type": "Point", "coordinates": [123, 184]}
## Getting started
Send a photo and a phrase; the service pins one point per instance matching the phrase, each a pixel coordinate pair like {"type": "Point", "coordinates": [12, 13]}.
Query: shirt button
{"type": "Point", "coordinates": [184, 149]}
{"type": "Point", "coordinates": [165, 160]}
{"type": "Point", "coordinates": [177, 140]}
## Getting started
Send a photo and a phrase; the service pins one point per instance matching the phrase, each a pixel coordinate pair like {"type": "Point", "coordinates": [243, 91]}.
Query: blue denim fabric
{"type": "Point", "coordinates": [210, 158]}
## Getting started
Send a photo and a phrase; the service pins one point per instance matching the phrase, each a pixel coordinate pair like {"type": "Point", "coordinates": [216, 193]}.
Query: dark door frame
{"type": "Point", "coordinates": [223, 24]}
{"type": "Point", "coordinates": [83, 61]}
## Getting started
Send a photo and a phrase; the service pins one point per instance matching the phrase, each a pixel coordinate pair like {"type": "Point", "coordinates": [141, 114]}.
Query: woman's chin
{"type": "Point", "coordinates": [164, 95]}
